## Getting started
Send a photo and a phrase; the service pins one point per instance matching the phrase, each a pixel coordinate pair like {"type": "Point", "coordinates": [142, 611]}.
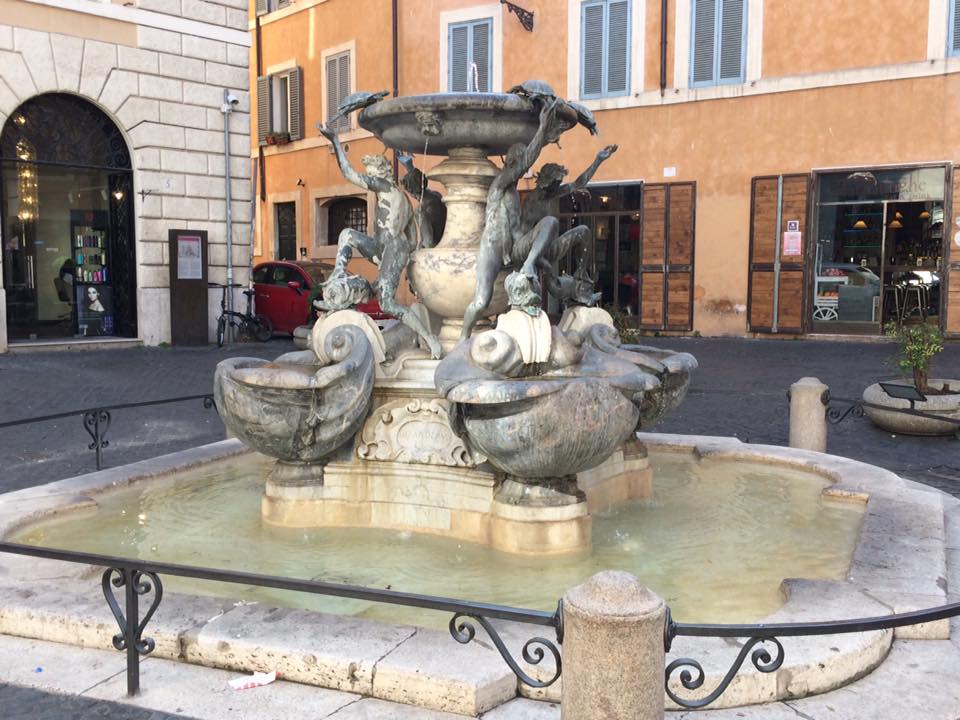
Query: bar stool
{"type": "Point", "coordinates": [916, 293]}
{"type": "Point", "coordinates": [893, 295]}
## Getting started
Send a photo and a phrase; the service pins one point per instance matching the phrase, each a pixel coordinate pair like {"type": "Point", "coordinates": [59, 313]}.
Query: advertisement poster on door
{"type": "Point", "coordinates": [94, 310]}
{"type": "Point", "coordinates": [792, 240]}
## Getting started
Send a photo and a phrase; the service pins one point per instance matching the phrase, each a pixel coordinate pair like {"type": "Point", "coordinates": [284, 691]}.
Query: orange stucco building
{"type": "Point", "coordinates": [783, 166]}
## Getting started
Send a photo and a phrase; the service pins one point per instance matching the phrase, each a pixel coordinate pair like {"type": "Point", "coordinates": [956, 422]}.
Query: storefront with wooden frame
{"type": "Point", "coordinates": [642, 250]}
{"type": "Point", "coordinates": [849, 250]}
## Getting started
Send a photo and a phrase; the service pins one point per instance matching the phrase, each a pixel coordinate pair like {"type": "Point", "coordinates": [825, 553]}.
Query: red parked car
{"type": "Point", "coordinates": [283, 290]}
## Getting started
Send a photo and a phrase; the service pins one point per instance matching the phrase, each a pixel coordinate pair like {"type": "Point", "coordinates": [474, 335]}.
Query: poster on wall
{"type": "Point", "coordinates": [792, 243]}
{"type": "Point", "coordinates": [189, 258]}
{"type": "Point", "coordinates": [94, 310]}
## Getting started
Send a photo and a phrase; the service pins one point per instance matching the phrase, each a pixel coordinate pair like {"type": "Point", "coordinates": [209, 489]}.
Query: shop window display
{"type": "Point", "coordinates": [67, 227]}
{"type": "Point", "coordinates": [879, 248]}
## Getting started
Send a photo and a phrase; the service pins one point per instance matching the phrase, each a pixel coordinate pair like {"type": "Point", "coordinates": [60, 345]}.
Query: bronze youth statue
{"type": "Point", "coordinates": [390, 247]}
{"type": "Point", "coordinates": [500, 243]}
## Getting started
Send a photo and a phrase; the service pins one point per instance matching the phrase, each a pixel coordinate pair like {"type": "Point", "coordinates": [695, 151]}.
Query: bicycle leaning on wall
{"type": "Point", "coordinates": [257, 327]}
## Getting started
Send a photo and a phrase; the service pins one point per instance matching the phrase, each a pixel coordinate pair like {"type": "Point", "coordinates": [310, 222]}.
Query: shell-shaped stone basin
{"type": "Point", "coordinates": [491, 122]}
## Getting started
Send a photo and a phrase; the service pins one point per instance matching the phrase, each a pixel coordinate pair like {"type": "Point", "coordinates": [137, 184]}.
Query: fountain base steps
{"type": "Point", "coordinates": [465, 503]}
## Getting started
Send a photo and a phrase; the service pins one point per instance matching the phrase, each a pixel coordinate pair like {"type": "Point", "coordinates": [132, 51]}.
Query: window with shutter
{"type": "Point", "coordinates": [263, 109]}
{"type": "Point", "coordinates": [718, 38]}
{"type": "Point", "coordinates": [470, 61]}
{"type": "Point", "coordinates": [280, 103]}
{"type": "Point", "coordinates": [338, 87]}
{"type": "Point", "coordinates": [295, 92]}
{"type": "Point", "coordinates": [953, 31]}
{"type": "Point", "coordinates": [604, 48]}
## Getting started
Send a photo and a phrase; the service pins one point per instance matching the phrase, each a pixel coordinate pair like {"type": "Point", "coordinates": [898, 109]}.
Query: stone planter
{"type": "Point", "coordinates": [944, 405]}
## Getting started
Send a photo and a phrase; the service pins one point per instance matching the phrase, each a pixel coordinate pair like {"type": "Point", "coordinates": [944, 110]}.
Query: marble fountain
{"type": "Point", "coordinates": [478, 431]}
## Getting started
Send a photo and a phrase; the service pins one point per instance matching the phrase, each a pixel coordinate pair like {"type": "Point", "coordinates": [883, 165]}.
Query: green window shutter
{"type": "Point", "coordinates": [459, 58]}
{"type": "Point", "coordinates": [263, 7]}
{"type": "Point", "coordinates": [263, 109]}
{"type": "Point", "coordinates": [731, 40]}
{"type": "Point", "coordinates": [704, 34]}
{"type": "Point", "coordinates": [480, 57]}
{"type": "Point", "coordinates": [295, 80]}
{"type": "Point", "coordinates": [618, 47]}
{"type": "Point", "coordinates": [591, 50]}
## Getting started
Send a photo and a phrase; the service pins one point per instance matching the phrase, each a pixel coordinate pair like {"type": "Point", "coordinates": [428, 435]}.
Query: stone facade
{"type": "Point", "coordinates": [159, 71]}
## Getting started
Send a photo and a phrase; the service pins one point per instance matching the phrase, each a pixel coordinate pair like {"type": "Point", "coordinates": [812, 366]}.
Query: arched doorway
{"type": "Point", "coordinates": [66, 222]}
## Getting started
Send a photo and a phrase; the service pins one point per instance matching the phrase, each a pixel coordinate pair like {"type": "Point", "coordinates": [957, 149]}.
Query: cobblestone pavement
{"type": "Point", "coordinates": [19, 703]}
{"type": "Point", "coordinates": [35, 384]}
{"type": "Point", "coordinates": [740, 390]}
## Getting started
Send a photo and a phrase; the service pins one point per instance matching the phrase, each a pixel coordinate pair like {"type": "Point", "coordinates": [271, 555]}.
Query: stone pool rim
{"type": "Point", "coordinates": [474, 679]}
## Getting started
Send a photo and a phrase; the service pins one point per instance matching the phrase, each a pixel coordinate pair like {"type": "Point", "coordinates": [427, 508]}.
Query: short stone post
{"type": "Point", "coordinates": [808, 414]}
{"type": "Point", "coordinates": [613, 656]}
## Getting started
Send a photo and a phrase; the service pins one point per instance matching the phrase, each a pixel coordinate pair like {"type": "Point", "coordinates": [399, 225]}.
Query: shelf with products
{"type": "Point", "coordinates": [90, 254]}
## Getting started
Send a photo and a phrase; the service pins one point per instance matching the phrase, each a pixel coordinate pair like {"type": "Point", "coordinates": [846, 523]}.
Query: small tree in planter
{"type": "Point", "coordinates": [918, 344]}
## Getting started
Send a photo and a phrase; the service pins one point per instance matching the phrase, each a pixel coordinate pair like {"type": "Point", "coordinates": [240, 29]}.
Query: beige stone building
{"type": "Point", "coordinates": [112, 136]}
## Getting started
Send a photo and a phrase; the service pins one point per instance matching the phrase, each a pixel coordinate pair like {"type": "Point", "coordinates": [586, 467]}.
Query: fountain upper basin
{"type": "Point", "coordinates": [491, 122]}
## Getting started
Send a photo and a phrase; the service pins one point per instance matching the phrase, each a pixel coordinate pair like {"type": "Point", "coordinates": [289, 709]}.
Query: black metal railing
{"type": "Point", "coordinates": [139, 578]}
{"type": "Point", "coordinates": [96, 421]}
{"type": "Point", "coordinates": [840, 408]}
{"type": "Point", "coordinates": [692, 676]}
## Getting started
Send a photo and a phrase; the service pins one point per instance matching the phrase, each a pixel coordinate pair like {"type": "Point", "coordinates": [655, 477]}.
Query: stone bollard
{"type": "Point", "coordinates": [808, 414]}
{"type": "Point", "coordinates": [613, 656]}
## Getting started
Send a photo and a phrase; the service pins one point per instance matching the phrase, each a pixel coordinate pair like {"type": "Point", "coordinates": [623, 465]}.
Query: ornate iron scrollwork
{"type": "Point", "coordinates": [836, 415]}
{"type": "Point", "coordinates": [209, 403]}
{"type": "Point", "coordinates": [96, 423]}
{"type": "Point", "coordinates": [141, 583]}
{"type": "Point", "coordinates": [761, 659]}
{"type": "Point", "coordinates": [533, 650]}
{"type": "Point", "coordinates": [524, 16]}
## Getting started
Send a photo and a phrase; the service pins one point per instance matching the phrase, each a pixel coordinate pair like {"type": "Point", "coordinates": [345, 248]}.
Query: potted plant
{"type": "Point", "coordinates": [277, 138]}
{"type": "Point", "coordinates": [919, 344]}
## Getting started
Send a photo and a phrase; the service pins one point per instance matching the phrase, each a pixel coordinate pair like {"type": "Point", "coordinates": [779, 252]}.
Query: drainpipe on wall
{"type": "Point", "coordinates": [229, 101]}
{"type": "Point", "coordinates": [261, 162]}
{"type": "Point", "coordinates": [663, 46]}
{"type": "Point", "coordinates": [396, 72]}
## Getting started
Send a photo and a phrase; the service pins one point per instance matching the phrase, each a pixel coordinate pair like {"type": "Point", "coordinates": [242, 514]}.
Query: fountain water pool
{"type": "Point", "coordinates": [715, 539]}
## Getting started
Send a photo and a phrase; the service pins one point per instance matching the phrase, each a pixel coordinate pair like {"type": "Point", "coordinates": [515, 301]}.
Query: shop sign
{"type": "Point", "coordinates": [792, 240]}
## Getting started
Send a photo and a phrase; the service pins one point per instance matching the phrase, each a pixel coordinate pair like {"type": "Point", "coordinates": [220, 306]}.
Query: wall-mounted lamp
{"type": "Point", "coordinates": [604, 199]}
{"type": "Point", "coordinates": [303, 253]}
{"type": "Point", "coordinates": [118, 195]}
{"type": "Point", "coordinates": [300, 182]}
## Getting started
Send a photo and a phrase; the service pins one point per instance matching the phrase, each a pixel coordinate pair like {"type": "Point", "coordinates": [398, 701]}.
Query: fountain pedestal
{"type": "Point", "coordinates": [445, 277]}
